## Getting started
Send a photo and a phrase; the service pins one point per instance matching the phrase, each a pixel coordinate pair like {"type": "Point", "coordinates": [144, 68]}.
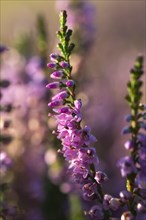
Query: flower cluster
{"type": "Point", "coordinates": [27, 83]}
{"type": "Point", "coordinates": [133, 167]}
{"type": "Point", "coordinates": [78, 142]}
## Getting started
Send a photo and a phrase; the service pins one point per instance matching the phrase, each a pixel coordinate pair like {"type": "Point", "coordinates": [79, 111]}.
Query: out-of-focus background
{"type": "Point", "coordinates": [111, 35]}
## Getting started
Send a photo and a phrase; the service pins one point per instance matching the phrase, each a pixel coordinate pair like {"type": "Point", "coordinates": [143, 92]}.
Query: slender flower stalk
{"type": "Point", "coordinates": [81, 17]}
{"type": "Point", "coordinates": [133, 167]}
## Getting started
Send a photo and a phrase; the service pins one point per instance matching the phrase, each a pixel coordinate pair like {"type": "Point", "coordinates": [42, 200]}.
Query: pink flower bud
{"type": "Point", "coordinates": [70, 83]}
{"type": "Point", "coordinates": [61, 95]}
{"type": "Point", "coordinates": [57, 74]}
{"type": "Point", "coordinates": [53, 85]}
{"type": "Point", "coordinates": [51, 65]}
{"type": "Point", "coordinates": [78, 104]}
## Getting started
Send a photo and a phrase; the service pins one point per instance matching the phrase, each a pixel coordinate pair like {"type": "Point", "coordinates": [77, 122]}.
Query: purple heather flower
{"type": "Point", "coordinates": [96, 212]}
{"type": "Point", "coordinates": [53, 85]}
{"type": "Point", "coordinates": [60, 95]}
{"type": "Point", "coordinates": [70, 153]}
{"type": "Point", "coordinates": [106, 201]}
{"type": "Point", "coordinates": [87, 156]}
{"type": "Point", "coordinates": [63, 119]}
{"type": "Point", "coordinates": [128, 118]}
{"type": "Point", "coordinates": [142, 156]}
{"type": "Point", "coordinates": [110, 202]}
{"type": "Point", "coordinates": [65, 64]}
{"type": "Point", "coordinates": [127, 166]}
{"type": "Point", "coordinates": [55, 103]}
{"type": "Point", "coordinates": [89, 191]}
{"type": "Point", "coordinates": [100, 177]}
{"type": "Point", "coordinates": [70, 83]}
{"type": "Point", "coordinates": [142, 139]}
{"type": "Point", "coordinates": [80, 174]}
{"type": "Point", "coordinates": [65, 109]}
{"type": "Point", "coordinates": [125, 195]}
{"type": "Point", "coordinates": [5, 162]}
{"type": "Point", "coordinates": [128, 145]}
{"type": "Point", "coordinates": [51, 65]}
{"type": "Point", "coordinates": [141, 207]}
{"type": "Point", "coordinates": [141, 178]}
{"type": "Point", "coordinates": [126, 130]}
{"type": "Point", "coordinates": [34, 69]}
{"type": "Point", "coordinates": [76, 140]}
{"type": "Point", "coordinates": [54, 56]}
{"type": "Point", "coordinates": [57, 74]}
{"type": "Point", "coordinates": [87, 136]}
{"type": "Point", "coordinates": [78, 104]}
{"type": "Point", "coordinates": [114, 203]}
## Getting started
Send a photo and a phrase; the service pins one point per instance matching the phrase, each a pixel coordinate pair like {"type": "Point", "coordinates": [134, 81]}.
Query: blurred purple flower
{"type": "Point", "coordinates": [3, 48]}
{"type": "Point", "coordinates": [5, 162]}
{"type": "Point", "coordinates": [127, 166]}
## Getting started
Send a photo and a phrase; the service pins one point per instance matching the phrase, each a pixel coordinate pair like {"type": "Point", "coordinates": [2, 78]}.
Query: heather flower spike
{"type": "Point", "coordinates": [77, 141]}
{"type": "Point", "coordinates": [133, 167]}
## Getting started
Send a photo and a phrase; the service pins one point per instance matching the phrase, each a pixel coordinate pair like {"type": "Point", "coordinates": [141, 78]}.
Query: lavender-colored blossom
{"type": "Point", "coordinates": [141, 178]}
{"type": "Point", "coordinates": [129, 145]}
{"type": "Point", "coordinates": [77, 141]}
{"type": "Point", "coordinates": [61, 95]}
{"type": "Point", "coordinates": [70, 83]}
{"type": "Point", "coordinates": [5, 162]}
{"type": "Point", "coordinates": [114, 204]}
{"type": "Point", "coordinates": [54, 85]}
{"type": "Point", "coordinates": [34, 69]}
{"type": "Point", "coordinates": [78, 104]}
{"type": "Point", "coordinates": [54, 56]}
{"type": "Point", "coordinates": [100, 177]}
{"type": "Point", "coordinates": [86, 157]}
{"type": "Point", "coordinates": [127, 166]}
{"type": "Point", "coordinates": [128, 118]}
{"type": "Point", "coordinates": [142, 139]}
{"type": "Point", "coordinates": [57, 74]}
{"type": "Point", "coordinates": [141, 207]}
{"type": "Point", "coordinates": [65, 64]}
{"type": "Point", "coordinates": [51, 65]}
{"type": "Point", "coordinates": [111, 203]}
{"type": "Point", "coordinates": [142, 156]}
{"type": "Point", "coordinates": [89, 191]}
{"type": "Point", "coordinates": [55, 103]}
{"type": "Point", "coordinates": [125, 195]}
{"type": "Point", "coordinates": [126, 130]}
{"type": "Point", "coordinates": [96, 212]}
{"type": "Point", "coordinates": [106, 201]}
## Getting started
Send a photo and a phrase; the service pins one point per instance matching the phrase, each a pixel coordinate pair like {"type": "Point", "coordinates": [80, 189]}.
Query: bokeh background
{"type": "Point", "coordinates": [113, 34]}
